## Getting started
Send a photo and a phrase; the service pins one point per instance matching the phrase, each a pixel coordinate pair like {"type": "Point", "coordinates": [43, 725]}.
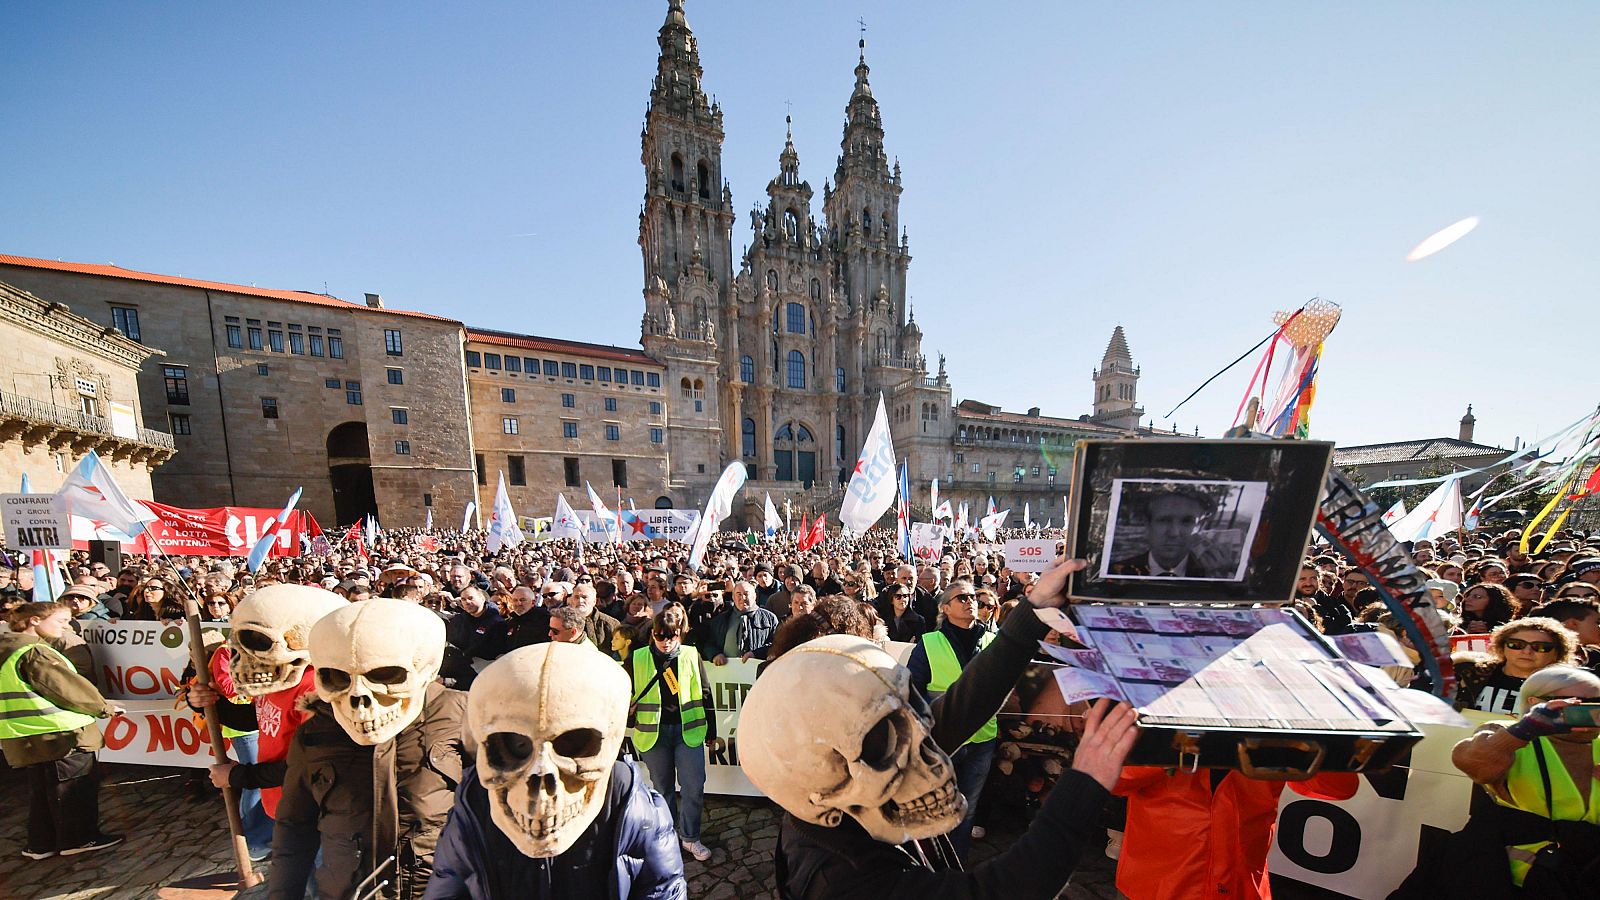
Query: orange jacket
{"type": "Point", "coordinates": [1170, 850]}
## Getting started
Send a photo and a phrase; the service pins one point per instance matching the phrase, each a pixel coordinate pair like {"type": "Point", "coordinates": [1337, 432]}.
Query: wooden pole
{"type": "Point", "coordinates": [230, 798]}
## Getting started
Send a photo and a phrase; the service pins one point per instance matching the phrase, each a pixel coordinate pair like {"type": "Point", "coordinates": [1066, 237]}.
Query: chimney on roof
{"type": "Point", "coordinates": [375, 301]}
{"type": "Point", "coordinates": [1467, 422]}
{"type": "Point", "coordinates": [1033, 411]}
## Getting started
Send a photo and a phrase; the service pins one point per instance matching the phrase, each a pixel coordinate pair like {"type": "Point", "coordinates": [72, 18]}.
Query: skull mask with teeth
{"type": "Point", "coordinates": [548, 720]}
{"type": "Point", "coordinates": [830, 730]}
{"type": "Point", "coordinates": [270, 629]}
{"type": "Point", "coordinates": [374, 661]}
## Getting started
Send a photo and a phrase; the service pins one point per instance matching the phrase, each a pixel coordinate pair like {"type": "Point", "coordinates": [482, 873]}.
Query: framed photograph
{"type": "Point", "coordinates": [1193, 520]}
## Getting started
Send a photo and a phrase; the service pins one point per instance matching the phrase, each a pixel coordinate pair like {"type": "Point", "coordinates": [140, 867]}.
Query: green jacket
{"type": "Point", "coordinates": [60, 686]}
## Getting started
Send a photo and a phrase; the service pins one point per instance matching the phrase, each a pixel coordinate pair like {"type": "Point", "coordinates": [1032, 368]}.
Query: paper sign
{"type": "Point", "coordinates": [36, 522]}
{"type": "Point", "coordinates": [1030, 554]}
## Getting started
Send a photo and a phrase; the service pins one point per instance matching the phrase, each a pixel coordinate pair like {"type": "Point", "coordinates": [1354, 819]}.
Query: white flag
{"type": "Point", "coordinates": [719, 506]}
{"type": "Point", "coordinates": [427, 524]}
{"type": "Point", "coordinates": [503, 528]}
{"type": "Point", "coordinates": [92, 494]}
{"type": "Point", "coordinates": [1395, 513]}
{"type": "Point", "coordinates": [943, 511]}
{"type": "Point", "coordinates": [772, 523]}
{"type": "Point", "coordinates": [466, 518]}
{"type": "Point", "coordinates": [1027, 515]}
{"type": "Point", "coordinates": [874, 485]}
{"type": "Point", "coordinates": [566, 523]}
{"type": "Point", "coordinates": [608, 521]}
{"type": "Point", "coordinates": [1438, 514]}
{"type": "Point", "coordinates": [992, 523]}
{"type": "Point", "coordinates": [961, 519]}
{"type": "Point", "coordinates": [934, 493]}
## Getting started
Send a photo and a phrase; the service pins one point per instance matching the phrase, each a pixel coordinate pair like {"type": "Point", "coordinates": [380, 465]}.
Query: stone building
{"type": "Point", "coordinates": [1423, 457]}
{"type": "Point", "coordinates": [69, 385]}
{"type": "Point", "coordinates": [265, 390]}
{"type": "Point", "coordinates": [553, 415]}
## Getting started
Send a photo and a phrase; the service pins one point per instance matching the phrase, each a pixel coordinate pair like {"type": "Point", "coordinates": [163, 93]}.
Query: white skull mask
{"type": "Point", "coordinates": [374, 661]}
{"type": "Point", "coordinates": [548, 721]}
{"type": "Point", "coordinates": [269, 635]}
{"type": "Point", "coordinates": [830, 729]}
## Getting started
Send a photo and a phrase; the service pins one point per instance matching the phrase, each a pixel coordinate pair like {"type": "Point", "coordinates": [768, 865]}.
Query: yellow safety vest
{"type": "Point", "coordinates": [1527, 794]}
{"type": "Point", "coordinates": [23, 713]}
{"type": "Point", "coordinates": [647, 712]}
{"type": "Point", "coordinates": [946, 669]}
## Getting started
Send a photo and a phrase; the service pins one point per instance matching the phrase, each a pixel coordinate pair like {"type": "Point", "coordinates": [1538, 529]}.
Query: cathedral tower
{"type": "Point", "coordinates": [1116, 385]}
{"type": "Point", "coordinates": [685, 235]}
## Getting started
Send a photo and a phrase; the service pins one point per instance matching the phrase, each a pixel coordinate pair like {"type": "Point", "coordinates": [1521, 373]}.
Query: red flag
{"type": "Point", "coordinates": [354, 534]}
{"type": "Point", "coordinates": [805, 533]}
{"type": "Point", "coordinates": [819, 531]}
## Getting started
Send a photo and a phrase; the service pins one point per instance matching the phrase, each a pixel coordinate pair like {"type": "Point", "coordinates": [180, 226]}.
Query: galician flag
{"type": "Point", "coordinates": [903, 514]}
{"type": "Point", "coordinates": [771, 522]}
{"type": "Point", "coordinates": [269, 535]}
{"type": "Point", "coordinates": [1439, 514]}
{"type": "Point", "coordinates": [92, 494]}
{"type": "Point", "coordinates": [607, 520]}
{"type": "Point", "coordinates": [503, 528]}
{"type": "Point", "coordinates": [993, 522]}
{"type": "Point", "coordinates": [47, 581]}
{"type": "Point", "coordinates": [719, 506]}
{"type": "Point", "coordinates": [566, 523]}
{"type": "Point", "coordinates": [990, 510]}
{"type": "Point", "coordinates": [943, 511]}
{"type": "Point", "coordinates": [427, 524]}
{"type": "Point", "coordinates": [466, 518]}
{"type": "Point", "coordinates": [872, 486]}
{"type": "Point", "coordinates": [1395, 513]}
{"type": "Point", "coordinates": [961, 519]}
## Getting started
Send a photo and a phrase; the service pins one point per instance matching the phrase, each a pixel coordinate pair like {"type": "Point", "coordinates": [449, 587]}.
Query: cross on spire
{"type": "Point", "coordinates": [861, 41]}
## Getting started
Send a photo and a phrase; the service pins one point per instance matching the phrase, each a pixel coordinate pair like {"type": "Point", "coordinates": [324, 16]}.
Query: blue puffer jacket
{"type": "Point", "coordinates": [630, 852]}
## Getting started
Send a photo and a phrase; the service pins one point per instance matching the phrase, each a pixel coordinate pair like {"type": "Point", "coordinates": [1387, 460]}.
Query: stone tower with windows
{"type": "Point", "coordinates": [685, 235]}
{"type": "Point", "coordinates": [1116, 386]}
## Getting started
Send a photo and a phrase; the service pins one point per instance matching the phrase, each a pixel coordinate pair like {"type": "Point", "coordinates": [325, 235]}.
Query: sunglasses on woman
{"type": "Point", "coordinates": [1535, 646]}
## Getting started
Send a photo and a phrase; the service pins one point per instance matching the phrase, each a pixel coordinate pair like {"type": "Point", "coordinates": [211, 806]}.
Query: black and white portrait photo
{"type": "Point", "coordinates": [1181, 529]}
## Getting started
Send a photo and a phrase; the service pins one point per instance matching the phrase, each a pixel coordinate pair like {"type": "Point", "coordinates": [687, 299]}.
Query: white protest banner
{"type": "Point", "coordinates": [1365, 846]}
{"type": "Point", "coordinates": [729, 684]}
{"type": "Point", "coordinates": [1030, 554]}
{"type": "Point", "coordinates": [927, 540]}
{"type": "Point", "coordinates": [140, 660]}
{"type": "Point", "coordinates": [36, 522]}
{"type": "Point", "coordinates": [153, 733]}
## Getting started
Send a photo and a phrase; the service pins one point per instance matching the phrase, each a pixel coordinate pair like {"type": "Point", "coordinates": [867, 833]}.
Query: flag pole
{"type": "Point", "coordinates": [230, 797]}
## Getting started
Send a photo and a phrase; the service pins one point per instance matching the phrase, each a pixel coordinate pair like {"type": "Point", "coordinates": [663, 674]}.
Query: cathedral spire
{"type": "Point", "coordinates": [862, 145]}
{"type": "Point", "coordinates": [677, 89]}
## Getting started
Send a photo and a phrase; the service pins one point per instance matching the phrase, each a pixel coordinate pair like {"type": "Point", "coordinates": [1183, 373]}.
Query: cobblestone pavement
{"type": "Point", "coordinates": [174, 835]}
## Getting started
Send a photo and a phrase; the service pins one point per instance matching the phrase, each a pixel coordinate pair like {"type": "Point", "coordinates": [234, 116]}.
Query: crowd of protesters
{"type": "Point", "coordinates": [640, 604]}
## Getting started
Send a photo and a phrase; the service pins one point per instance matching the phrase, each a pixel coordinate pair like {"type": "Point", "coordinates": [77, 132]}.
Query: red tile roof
{"type": "Point", "coordinates": [109, 271]}
{"type": "Point", "coordinates": [556, 345]}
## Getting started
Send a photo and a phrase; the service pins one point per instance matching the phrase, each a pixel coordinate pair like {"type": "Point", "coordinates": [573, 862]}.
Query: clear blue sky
{"type": "Point", "coordinates": [1183, 169]}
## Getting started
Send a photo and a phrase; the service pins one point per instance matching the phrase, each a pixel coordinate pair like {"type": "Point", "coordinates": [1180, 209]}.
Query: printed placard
{"type": "Point", "coordinates": [36, 522]}
{"type": "Point", "coordinates": [1030, 554]}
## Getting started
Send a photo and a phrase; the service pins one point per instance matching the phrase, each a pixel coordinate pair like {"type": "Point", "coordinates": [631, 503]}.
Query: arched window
{"type": "Point", "coordinates": [686, 388]}
{"type": "Point", "coordinates": [747, 369]}
{"type": "Point", "coordinates": [794, 453]}
{"type": "Point", "coordinates": [747, 437]}
{"type": "Point", "coordinates": [699, 385]}
{"type": "Point", "coordinates": [797, 369]}
{"type": "Point", "coordinates": [677, 172]}
{"type": "Point", "coordinates": [802, 435]}
{"type": "Point", "coordinates": [816, 289]}
{"type": "Point", "coordinates": [838, 379]}
{"type": "Point", "coordinates": [795, 318]}
{"type": "Point", "coordinates": [838, 438]}
{"type": "Point", "coordinates": [866, 219]}
{"type": "Point", "coordinates": [772, 279]}
{"type": "Point", "coordinates": [702, 175]}
{"type": "Point", "coordinates": [791, 223]}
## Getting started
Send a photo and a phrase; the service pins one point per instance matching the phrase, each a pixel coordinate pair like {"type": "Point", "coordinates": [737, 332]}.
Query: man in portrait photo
{"type": "Point", "coordinates": [1175, 517]}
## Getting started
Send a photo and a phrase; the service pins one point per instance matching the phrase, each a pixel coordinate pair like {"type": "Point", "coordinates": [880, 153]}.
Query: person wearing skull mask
{"type": "Point", "coordinates": [372, 774]}
{"type": "Point", "coordinates": [834, 733]}
{"type": "Point", "coordinates": [595, 829]}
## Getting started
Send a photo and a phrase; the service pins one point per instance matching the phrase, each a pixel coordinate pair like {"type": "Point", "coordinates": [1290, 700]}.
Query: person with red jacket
{"type": "Point", "coordinates": [1207, 833]}
{"type": "Point", "coordinates": [277, 715]}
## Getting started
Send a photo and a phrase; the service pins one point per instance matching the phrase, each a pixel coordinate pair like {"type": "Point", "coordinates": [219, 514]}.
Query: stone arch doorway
{"type": "Point", "coordinates": [663, 502]}
{"type": "Point", "coordinates": [350, 473]}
